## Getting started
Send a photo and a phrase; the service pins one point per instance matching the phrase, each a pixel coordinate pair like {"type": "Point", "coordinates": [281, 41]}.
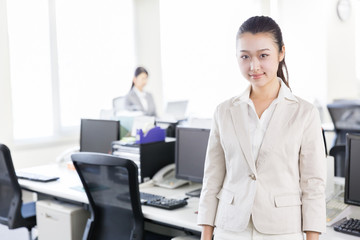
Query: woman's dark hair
{"type": "Point", "coordinates": [138, 71]}
{"type": "Point", "coordinates": [263, 24]}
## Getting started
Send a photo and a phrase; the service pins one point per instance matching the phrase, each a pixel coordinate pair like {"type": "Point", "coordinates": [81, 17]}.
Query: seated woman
{"type": "Point", "coordinates": [137, 99]}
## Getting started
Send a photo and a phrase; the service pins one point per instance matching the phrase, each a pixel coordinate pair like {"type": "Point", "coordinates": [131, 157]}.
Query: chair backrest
{"type": "Point", "coordinates": [111, 185]}
{"type": "Point", "coordinates": [10, 191]}
{"type": "Point", "coordinates": [119, 104]}
{"type": "Point", "coordinates": [338, 152]}
{"type": "Point", "coordinates": [345, 115]}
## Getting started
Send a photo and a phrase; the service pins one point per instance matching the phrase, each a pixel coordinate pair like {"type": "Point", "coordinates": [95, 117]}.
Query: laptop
{"type": "Point", "coordinates": [175, 110]}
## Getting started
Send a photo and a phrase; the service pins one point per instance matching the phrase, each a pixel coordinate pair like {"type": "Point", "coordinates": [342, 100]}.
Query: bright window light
{"type": "Point", "coordinates": [69, 59]}
{"type": "Point", "coordinates": [96, 55]}
{"type": "Point", "coordinates": [30, 68]}
{"type": "Point", "coordinates": [198, 50]}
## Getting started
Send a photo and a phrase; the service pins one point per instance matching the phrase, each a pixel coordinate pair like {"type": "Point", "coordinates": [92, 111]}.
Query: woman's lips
{"type": "Point", "coordinates": [256, 76]}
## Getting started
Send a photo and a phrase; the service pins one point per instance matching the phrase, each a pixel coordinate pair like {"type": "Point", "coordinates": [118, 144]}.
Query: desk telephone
{"type": "Point", "coordinates": [66, 155]}
{"type": "Point", "coordinates": [165, 177]}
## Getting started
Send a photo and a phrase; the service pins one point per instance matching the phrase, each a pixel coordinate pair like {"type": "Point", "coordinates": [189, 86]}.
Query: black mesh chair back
{"type": "Point", "coordinates": [338, 152]}
{"type": "Point", "coordinates": [13, 212]}
{"type": "Point", "coordinates": [345, 115]}
{"type": "Point", "coordinates": [111, 185]}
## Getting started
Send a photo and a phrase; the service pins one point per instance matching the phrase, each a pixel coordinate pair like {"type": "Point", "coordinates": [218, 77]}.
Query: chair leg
{"type": "Point", "coordinates": [29, 231]}
{"type": "Point", "coordinates": [30, 234]}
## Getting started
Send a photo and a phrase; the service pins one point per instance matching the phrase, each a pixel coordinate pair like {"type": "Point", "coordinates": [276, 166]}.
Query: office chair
{"type": "Point", "coordinates": [345, 115]}
{"type": "Point", "coordinates": [112, 187]}
{"type": "Point", "coordinates": [13, 212]}
{"type": "Point", "coordinates": [118, 104]}
{"type": "Point", "coordinates": [338, 152]}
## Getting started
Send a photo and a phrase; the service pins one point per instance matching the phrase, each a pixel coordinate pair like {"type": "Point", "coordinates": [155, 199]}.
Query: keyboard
{"type": "Point", "coordinates": [36, 177]}
{"type": "Point", "coordinates": [336, 209]}
{"type": "Point", "coordinates": [349, 226]}
{"type": "Point", "coordinates": [161, 201]}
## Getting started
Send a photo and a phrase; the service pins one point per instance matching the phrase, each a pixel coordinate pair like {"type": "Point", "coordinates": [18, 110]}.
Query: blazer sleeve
{"type": "Point", "coordinates": [313, 175]}
{"type": "Point", "coordinates": [214, 173]}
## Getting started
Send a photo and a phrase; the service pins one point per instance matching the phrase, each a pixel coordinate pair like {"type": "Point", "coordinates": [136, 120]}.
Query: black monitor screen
{"type": "Point", "coordinates": [352, 170]}
{"type": "Point", "coordinates": [190, 153]}
{"type": "Point", "coordinates": [97, 135]}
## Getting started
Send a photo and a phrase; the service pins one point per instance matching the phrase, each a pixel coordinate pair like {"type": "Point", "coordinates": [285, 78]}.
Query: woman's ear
{"type": "Point", "coordinates": [282, 53]}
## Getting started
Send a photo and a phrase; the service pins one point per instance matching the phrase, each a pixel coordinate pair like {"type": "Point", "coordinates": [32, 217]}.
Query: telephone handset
{"type": "Point", "coordinates": [165, 177]}
{"type": "Point", "coordinates": [66, 155]}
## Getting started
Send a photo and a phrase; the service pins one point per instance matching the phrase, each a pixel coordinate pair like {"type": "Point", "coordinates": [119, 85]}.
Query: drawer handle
{"type": "Point", "coordinates": [51, 217]}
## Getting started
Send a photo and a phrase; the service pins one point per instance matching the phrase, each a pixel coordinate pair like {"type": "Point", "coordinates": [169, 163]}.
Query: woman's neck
{"type": "Point", "coordinates": [139, 89]}
{"type": "Point", "coordinates": [266, 92]}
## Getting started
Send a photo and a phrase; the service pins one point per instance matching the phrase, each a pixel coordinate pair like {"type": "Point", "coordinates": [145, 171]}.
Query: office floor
{"type": "Point", "coordinates": [16, 234]}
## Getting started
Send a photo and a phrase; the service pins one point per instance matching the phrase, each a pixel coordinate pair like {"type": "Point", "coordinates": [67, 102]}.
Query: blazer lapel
{"type": "Point", "coordinates": [136, 100]}
{"type": "Point", "coordinates": [279, 119]}
{"type": "Point", "coordinates": [239, 115]}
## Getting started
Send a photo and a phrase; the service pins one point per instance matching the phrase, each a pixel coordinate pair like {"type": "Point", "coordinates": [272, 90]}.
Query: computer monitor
{"type": "Point", "coordinates": [352, 169]}
{"type": "Point", "coordinates": [190, 152]}
{"type": "Point", "coordinates": [97, 135]}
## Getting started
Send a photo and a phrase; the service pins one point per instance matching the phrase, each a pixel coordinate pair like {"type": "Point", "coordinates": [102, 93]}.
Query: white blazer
{"type": "Point", "coordinates": [285, 190]}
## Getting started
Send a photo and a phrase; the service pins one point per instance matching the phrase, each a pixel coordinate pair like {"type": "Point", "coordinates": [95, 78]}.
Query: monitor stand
{"type": "Point", "coordinates": [194, 193]}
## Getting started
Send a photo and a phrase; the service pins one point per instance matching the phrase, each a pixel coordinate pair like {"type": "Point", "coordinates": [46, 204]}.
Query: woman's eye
{"type": "Point", "coordinates": [244, 57]}
{"type": "Point", "coordinates": [263, 55]}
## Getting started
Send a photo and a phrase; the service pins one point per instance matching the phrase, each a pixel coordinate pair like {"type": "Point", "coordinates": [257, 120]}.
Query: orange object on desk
{"type": "Point", "coordinates": [70, 166]}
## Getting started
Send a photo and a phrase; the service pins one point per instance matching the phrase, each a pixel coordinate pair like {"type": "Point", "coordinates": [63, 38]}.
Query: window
{"type": "Point", "coordinates": [69, 59]}
{"type": "Point", "coordinates": [95, 55]}
{"type": "Point", "coordinates": [198, 50]}
{"type": "Point", "coordinates": [30, 68]}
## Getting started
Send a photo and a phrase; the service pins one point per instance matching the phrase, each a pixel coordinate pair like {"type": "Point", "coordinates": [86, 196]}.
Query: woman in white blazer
{"type": "Point", "coordinates": [265, 166]}
{"type": "Point", "coordinates": [137, 99]}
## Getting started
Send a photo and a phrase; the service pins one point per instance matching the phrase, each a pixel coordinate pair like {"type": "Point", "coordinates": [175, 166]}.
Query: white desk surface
{"type": "Point", "coordinates": [67, 187]}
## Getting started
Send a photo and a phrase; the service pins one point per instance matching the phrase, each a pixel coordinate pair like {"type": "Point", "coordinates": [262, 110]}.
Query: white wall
{"type": "Point", "coordinates": [148, 53]}
{"type": "Point", "coordinates": [341, 57]}
{"type": "Point", "coordinates": [303, 24]}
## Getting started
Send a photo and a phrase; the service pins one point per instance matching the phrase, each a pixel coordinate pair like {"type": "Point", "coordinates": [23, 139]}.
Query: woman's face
{"type": "Point", "coordinates": [258, 58]}
{"type": "Point", "coordinates": [140, 81]}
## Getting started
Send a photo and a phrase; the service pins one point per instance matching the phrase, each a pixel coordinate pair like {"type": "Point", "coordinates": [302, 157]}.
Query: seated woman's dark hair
{"type": "Point", "coordinates": [138, 71]}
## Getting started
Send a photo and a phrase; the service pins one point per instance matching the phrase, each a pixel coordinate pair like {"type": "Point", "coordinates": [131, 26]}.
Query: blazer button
{"type": "Point", "coordinates": [252, 176]}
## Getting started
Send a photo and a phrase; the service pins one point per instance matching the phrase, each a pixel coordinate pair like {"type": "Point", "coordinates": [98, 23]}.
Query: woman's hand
{"type": "Point", "coordinates": [312, 235]}
{"type": "Point", "coordinates": [207, 232]}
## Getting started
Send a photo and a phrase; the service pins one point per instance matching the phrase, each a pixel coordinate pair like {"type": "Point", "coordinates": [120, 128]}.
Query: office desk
{"type": "Point", "coordinates": [68, 187]}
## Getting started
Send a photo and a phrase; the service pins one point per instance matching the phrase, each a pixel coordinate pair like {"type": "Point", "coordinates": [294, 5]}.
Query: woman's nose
{"type": "Point", "coordinates": [254, 64]}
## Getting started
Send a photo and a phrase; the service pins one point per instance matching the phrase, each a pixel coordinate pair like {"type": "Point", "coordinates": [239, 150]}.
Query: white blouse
{"type": "Point", "coordinates": [142, 97]}
{"type": "Point", "coordinates": [258, 126]}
